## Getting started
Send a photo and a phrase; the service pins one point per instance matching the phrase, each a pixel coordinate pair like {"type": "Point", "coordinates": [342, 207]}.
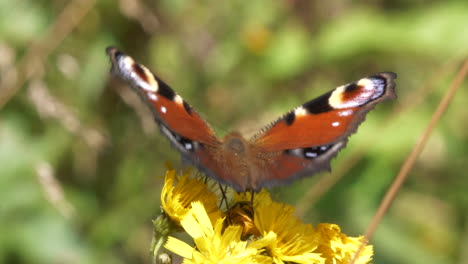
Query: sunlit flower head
{"type": "Point", "coordinates": [179, 192]}
{"type": "Point", "coordinates": [290, 239]}
{"type": "Point", "coordinates": [213, 244]}
{"type": "Point", "coordinates": [254, 230]}
{"type": "Point", "coordinates": [339, 248]}
{"type": "Point", "coordinates": [242, 211]}
{"type": "Point", "coordinates": [262, 197]}
{"type": "Point", "coordinates": [242, 214]}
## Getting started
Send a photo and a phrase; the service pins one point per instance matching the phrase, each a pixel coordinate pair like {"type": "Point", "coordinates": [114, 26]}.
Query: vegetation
{"type": "Point", "coordinates": [82, 162]}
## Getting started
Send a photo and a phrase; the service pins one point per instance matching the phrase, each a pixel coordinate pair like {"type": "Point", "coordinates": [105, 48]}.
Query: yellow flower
{"type": "Point", "coordinates": [213, 244]}
{"type": "Point", "coordinates": [242, 212]}
{"type": "Point", "coordinates": [339, 248]}
{"type": "Point", "coordinates": [289, 240]}
{"type": "Point", "coordinates": [263, 197]}
{"type": "Point", "coordinates": [260, 232]}
{"type": "Point", "coordinates": [180, 191]}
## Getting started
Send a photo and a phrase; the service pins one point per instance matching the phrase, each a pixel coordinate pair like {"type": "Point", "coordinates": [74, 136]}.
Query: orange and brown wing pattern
{"type": "Point", "coordinates": [300, 143]}
{"type": "Point", "coordinates": [312, 134]}
{"type": "Point", "coordinates": [169, 109]}
{"type": "Point", "coordinates": [328, 118]}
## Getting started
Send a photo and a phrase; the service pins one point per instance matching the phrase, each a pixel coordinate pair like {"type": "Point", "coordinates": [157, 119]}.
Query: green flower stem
{"type": "Point", "coordinates": [163, 226]}
{"type": "Point", "coordinates": [156, 245]}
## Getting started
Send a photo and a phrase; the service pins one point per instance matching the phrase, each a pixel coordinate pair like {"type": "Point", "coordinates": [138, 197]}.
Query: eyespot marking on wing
{"type": "Point", "coordinates": [358, 93]}
{"type": "Point", "coordinates": [140, 74]}
{"type": "Point", "coordinates": [131, 71]}
{"type": "Point", "coordinates": [138, 69]}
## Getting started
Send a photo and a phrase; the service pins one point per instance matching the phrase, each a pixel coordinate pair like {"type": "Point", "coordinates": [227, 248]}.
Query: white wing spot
{"type": "Point", "coordinates": [297, 152]}
{"type": "Point", "coordinates": [335, 124]}
{"type": "Point", "coordinates": [153, 96]}
{"type": "Point", "coordinates": [188, 146]}
{"type": "Point", "coordinates": [368, 90]}
{"type": "Point", "coordinates": [146, 86]}
{"type": "Point", "coordinates": [335, 99]}
{"type": "Point", "coordinates": [152, 85]}
{"type": "Point", "coordinates": [163, 109]}
{"type": "Point", "coordinates": [300, 111]}
{"type": "Point", "coordinates": [346, 112]}
{"type": "Point", "coordinates": [126, 63]}
{"type": "Point", "coordinates": [178, 100]}
{"type": "Point", "coordinates": [366, 82]}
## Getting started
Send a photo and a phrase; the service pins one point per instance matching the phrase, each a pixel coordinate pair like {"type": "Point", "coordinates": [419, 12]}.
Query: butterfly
{"type": "Point", "coordinates": [302, 142]}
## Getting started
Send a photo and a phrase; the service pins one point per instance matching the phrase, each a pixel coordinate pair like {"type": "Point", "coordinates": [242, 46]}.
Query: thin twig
{"type": "Point", "coordinates": [32, 62]}
{"type": "Point", "coordinates": [137, 10]}
{"type": "Point", "coordinates": [53, 190]}
{"type": "Point", "coordinates": [409, 162]}
{"type": "Point", "coordinates": [48, 106]}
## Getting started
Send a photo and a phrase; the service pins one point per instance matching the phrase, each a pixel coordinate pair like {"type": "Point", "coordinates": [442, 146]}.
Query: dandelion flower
{"type": "Point", "coordinates": [339, 248]}
{"type": "Point", "coordinates": [242, 211]}
{"type": "Point", "coordinates": [213, 245]}
{"type": "Point", "coordinates": [180, 191]}
{"type": "Point", "coordinates": [263, 197]}
{"type": "Point", "coordinates": [289, 239]}
{"type": "Point", "coordinates": [242, 214]}
{"type": "Point", "coordinates": [257, 230]}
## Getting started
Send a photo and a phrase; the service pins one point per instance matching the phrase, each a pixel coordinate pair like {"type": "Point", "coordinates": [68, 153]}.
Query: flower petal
{"type": "Point", "coordinates": [179, 247]}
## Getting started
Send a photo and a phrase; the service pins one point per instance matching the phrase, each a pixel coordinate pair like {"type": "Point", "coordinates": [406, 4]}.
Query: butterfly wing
{"type": "Point", "coordinates": [186, 130]}
{"type": "Point", "coordinates": [300, 143]}
{"type": "Point", "coordinates": [308, 137]}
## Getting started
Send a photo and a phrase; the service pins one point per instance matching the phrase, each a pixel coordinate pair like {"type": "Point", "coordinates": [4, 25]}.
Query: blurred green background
{"type": "Point", "coordinates": [82, 162]}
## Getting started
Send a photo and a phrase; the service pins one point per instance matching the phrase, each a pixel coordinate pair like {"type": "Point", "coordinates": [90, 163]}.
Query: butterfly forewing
{"type": "Point", "coordinates": [169, 109]}
{"type": "Point", "coordinates": [328, 118]}
{"type": "Point", "coordinates": [312, 134]}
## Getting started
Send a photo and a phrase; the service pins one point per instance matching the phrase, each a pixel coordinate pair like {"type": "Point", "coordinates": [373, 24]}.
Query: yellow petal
{"type": "Point", "coordinates": [179, 247]}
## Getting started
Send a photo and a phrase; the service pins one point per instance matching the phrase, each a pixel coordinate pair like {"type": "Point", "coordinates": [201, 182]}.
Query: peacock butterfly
{"type": "Point", "coordinates": [300, 143]}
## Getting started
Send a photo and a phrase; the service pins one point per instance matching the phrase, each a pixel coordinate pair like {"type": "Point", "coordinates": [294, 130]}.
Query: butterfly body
{"type": "Point", "coordinates": [300, 143]}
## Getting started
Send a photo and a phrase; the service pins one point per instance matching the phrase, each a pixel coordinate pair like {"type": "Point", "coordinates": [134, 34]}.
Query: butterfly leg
{"type": "Point", "coordinates": [224, 197]}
